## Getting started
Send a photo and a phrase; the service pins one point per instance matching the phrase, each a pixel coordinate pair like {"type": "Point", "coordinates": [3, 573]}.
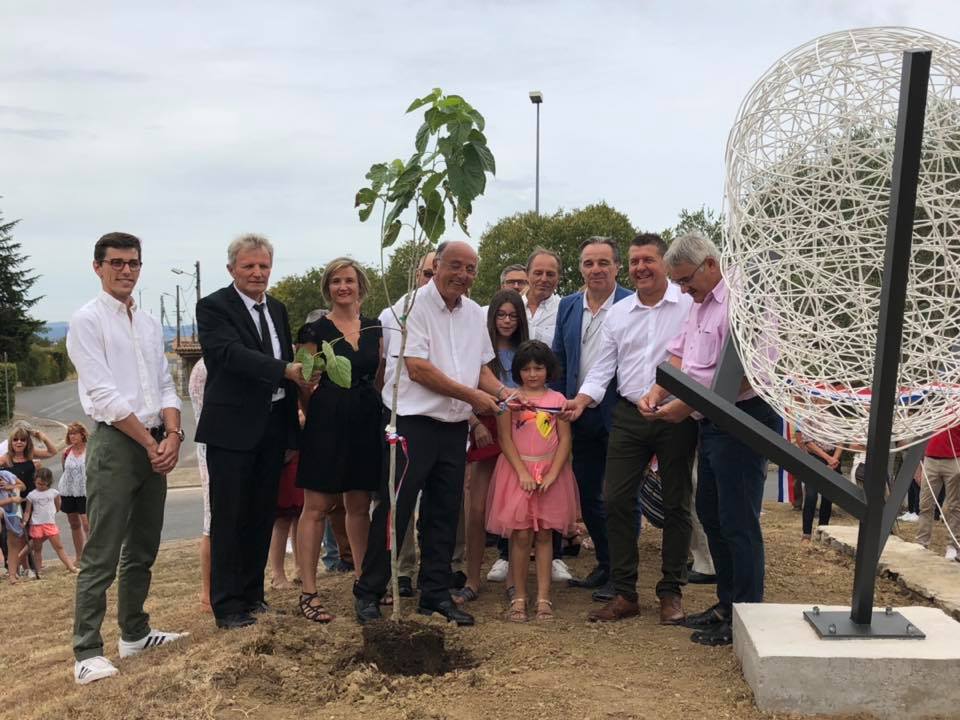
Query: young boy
{"type": "Point", "coordinates": [43, 504]}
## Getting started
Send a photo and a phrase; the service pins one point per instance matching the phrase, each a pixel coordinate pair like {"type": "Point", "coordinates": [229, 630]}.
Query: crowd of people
{"type": "Point", "coordinates": [514, 420]}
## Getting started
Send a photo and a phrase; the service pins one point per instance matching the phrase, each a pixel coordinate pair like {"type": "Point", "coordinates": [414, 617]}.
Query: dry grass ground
{"type": "Point", "coordinates": [286, 667]}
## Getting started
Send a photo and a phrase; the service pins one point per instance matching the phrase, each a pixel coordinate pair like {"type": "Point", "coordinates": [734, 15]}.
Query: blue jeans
{"type": "Point", "coordinates": [730, 483]}
{"type": "Point", "coordinates": [590, 436]}
{"type": "Point", "coordinates": [331, 553]}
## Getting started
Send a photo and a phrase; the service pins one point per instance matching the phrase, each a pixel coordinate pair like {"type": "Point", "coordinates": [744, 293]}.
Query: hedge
{"type": "Point", "coordinates": [8, 383]}
{"type": "Point", "coordinates": [44, 365]}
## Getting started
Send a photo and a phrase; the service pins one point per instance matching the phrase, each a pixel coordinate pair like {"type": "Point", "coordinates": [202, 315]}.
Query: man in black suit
{"type": "Point", "coordinates": [249, 420]}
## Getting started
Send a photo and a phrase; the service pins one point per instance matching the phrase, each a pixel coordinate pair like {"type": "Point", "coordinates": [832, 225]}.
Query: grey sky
{"type": "Point", "coordinates": [189, 123]}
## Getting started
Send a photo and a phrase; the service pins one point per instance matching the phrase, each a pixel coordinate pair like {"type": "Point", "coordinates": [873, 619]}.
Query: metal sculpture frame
{"type": "Point", "coordinates": [869, 506]}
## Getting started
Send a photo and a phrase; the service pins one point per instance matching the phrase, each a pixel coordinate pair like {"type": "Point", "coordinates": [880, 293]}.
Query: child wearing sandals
{"type": "Point", "coordinates": [43, 504]}
{"type": "Point", "coordinates": [533, 491]}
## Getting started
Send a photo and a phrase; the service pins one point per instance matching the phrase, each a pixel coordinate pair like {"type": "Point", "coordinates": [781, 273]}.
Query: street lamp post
{"type": "Point", "coordinates": [536, 97]}
{"type": "Point", "coordinates": [196, 283]}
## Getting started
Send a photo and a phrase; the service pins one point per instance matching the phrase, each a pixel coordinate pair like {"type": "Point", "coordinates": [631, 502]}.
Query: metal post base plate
{"type": "Point", "coordinates": [837, 625]}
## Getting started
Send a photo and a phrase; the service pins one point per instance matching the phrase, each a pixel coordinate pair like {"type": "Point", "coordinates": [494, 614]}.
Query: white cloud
{"type": "Point", "coordinates": [190, 123]}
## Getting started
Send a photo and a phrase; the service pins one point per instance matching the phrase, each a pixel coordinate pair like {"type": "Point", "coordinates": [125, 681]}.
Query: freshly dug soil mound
{"type": "Point", "coordinates": [406, 648]}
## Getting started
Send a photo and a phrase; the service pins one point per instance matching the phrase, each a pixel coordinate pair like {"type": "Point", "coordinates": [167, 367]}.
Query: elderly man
{"type": "Point", "coordinates": [633, 342]}
{"type": "Point", "coordinates": [577, 343]}
{"type": "Point", "coordinates": [249, 421]}
{"type": "Point", "coordinates": [730, 474]}
{"type": "Point", "coordinates": [541, 300]}
{"type": "Point", "coordinates": [126, 388]}
{"type": "Point", "coordinates": [442, 378]}
{"type": "Point", "coordinates": [407, 558]}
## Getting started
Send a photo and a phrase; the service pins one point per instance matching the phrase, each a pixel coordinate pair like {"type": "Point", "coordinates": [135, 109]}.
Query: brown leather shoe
{"type": "Point", "coordinates": [617, 609]}
{"type": "Point", "coordinates": [671, 610]}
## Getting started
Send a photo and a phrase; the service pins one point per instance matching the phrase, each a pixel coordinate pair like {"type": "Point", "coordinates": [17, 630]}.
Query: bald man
{"type": "Point", "coordinates": [442, 378]}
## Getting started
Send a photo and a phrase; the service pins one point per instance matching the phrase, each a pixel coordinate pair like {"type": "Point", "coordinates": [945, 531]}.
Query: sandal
{"type": "Point", "coordinates": [544, 609]}
{"type": "Point", "coordinates": [518, 610]}
{"type": "Point", "coordinates": [464, 595]}
{"type": "Point", "coordinates": [312, 611]}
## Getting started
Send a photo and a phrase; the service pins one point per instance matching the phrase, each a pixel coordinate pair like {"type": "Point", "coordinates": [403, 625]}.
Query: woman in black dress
{"type": "Point", "coordinates": [342, 445]}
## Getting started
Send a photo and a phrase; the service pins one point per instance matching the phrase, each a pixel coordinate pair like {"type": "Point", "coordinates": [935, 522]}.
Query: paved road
{"type": "Point", "coordinates": [182, 520]}
{"type": "Point", "coordinates": [60, 402]}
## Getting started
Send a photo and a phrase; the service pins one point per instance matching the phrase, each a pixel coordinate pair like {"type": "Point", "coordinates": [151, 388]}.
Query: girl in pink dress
{"type": "Point", "coordinates": [533, 491]}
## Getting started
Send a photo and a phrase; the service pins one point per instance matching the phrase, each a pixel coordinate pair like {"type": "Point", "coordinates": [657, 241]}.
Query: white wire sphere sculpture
{"type": "Point", "coordinates": [809, 162]}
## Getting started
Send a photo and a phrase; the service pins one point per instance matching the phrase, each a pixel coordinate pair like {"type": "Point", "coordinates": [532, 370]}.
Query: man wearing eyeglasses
{"type": "Point", "coordinates": [126, 388]}
{"type": "Point", "coordinates": [514, 277]}
{"type": "Point", "coordinates": [730, 474]}
{"type": "Point", "coordinates": [580, 318]}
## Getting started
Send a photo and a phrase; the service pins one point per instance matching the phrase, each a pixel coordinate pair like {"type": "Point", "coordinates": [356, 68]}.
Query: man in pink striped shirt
{"type": "Point", "coordinates": [730, 474]}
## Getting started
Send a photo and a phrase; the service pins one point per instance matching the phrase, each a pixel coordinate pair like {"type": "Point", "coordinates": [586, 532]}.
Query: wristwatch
{"type": "Point", "coordinates": [178, 432]}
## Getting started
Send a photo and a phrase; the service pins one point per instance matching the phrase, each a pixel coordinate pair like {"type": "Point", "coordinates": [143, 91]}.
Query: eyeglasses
{"type": "Point", "coordinates": [507, 316]}
{"type": "Point", "coordinates": [427, 273]}
{"type": "Point", "coordinates": [460, 267]}
{"type": "Point", "coordinates": [685, 281]}
{"type": "Point", "coordinates": [516, 283]}
{"type": "Point", "coordinates": [118, 264]}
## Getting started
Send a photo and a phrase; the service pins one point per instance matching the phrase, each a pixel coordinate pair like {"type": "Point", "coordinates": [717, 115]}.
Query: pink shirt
{"type": "Point", "coordinates": [701, 340]}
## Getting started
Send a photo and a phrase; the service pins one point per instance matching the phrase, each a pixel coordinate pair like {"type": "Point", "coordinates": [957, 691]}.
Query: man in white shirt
{"type": "Point", "coordinates": [441, 379]}
{"type": "Point", "coordinates": [541, 299]}
{"type": "Point", "coordinates": [126, 388]}
{"type": "Point", "coordinates": [633, 343]}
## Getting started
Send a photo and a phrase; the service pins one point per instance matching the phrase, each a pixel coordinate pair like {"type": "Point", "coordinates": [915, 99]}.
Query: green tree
{"type": "Point", "coordinates": [301, 295]}
{"type": "Point", "coordinates": [704, 220]}
{"type": "Point", "coordinates": [511, 239]}
{"type": "Point", "coordinates": [16, 326]}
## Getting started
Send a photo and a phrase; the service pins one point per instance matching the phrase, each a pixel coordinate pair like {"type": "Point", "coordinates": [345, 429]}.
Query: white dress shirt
{"type": "Point", "coordinates": [121, 366]}
{"type": "Point", "coordinates": [249, 302]}
{"type": "Point", "coordinates": [456, 342]}
{"type": "Point", "coordinates": [590, 335]}
{"type": "Point", "coordinates": [543, 322]}
{"type": "Point", "coordinates": [634, 341]}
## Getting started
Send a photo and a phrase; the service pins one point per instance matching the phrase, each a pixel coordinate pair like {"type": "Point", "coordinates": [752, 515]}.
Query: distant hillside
{"type": "Point", "coordinates": [58, 330]}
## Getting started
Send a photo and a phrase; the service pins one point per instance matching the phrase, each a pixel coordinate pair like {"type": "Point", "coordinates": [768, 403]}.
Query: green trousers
{"type": "Point", "coordinates": [125, 500]}
{"type": "Point", "coordinates": [633, 441]}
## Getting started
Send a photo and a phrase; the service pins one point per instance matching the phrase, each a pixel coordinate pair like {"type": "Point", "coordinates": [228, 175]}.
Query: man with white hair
{"type": "Point", "coordinates": [730, 474]}
{"type": "Point", "coordinates": [248, 422]}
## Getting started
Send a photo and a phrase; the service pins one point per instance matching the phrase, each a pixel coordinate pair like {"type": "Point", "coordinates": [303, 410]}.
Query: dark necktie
{"type": "Point", "coordinates": [266, 344]}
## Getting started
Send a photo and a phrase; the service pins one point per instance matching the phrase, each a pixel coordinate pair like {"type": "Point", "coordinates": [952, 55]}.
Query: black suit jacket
{"type": "Point", "coordinates": [241, 378]}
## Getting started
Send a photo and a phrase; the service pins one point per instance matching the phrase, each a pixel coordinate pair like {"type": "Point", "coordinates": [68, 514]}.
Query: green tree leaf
{"type": "Point", "coordinates": [423, 137]}
{"type": "Point", "coordinates": [430, 216]}
{"type": "Point", "coordinates": [377, 175]}
{"type": "Point", "coordinates": [305, 357]}
{"type": "Point", "coordinates": [467, 181]}
{"type": "Point", "coordinates": [365, 196]}
{"type": "Point", "coordinates": [432, 182]}
{"type": "Point", "coordinates": [486, 157]}
{"type": "Point", "coordinates": [340, 371]}
{"type": "Point", "coordinates": [477, 119]}
{"type": "Point", "coordinates": [365, 212]}
{"type": "Point", "coordinates": [391, 233]}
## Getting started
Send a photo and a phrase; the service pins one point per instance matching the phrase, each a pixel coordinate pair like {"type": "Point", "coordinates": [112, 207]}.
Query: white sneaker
{"type": "Point", "coordinates": [559, 572]}
{"type": "Point", "coordinates": [951, 553]}
{"type": "Point", "coordinates": [908, 517]}
{"type": "Point", "coordinates": [498, 573]}
{"type": "Point", "coordinates": [93, 669]}
{"type": "Point", "coordinates": [154, 638]}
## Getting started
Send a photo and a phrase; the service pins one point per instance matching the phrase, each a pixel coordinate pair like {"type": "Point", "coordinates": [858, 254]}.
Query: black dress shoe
{"type": "Point", "coordinates": [709, 618]}
{"type": "Point", "coordinates": [596, 579]}
{"type": "Point", "coordinates": [448, 609]}
{"type": "Point", "coordinates": [457, 580]}
{"type": "Point", "coordinates": [367, 610]}
{"type": "Point", "coordinates": [699, 578]}
{"type": "Point", "coordinates": [235, 620]}
{"type": "Point", "coordinates": [604, 594]}
{"type": "Point", "coordinates": [406, 586]}
{"type": "Point", "coordinates": [715, 635]}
